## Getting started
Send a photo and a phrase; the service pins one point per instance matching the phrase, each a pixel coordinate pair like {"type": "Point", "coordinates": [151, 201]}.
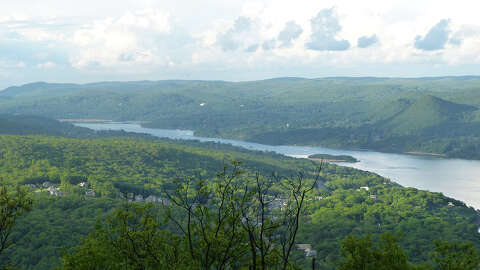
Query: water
{"type": "Point", "coordinates": [455, 178]}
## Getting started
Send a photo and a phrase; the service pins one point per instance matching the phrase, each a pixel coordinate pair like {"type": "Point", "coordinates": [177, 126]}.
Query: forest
{"type": "Point", "coordinates": [79, 185]}
{"type": "Point", "coordinates": [434, 115]}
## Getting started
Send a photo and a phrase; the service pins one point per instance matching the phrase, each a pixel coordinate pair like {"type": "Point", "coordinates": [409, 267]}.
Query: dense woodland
{"type": "Point", "coordinates": [434, 115]}
{"type": "Point", "coordinates": [344, 202]}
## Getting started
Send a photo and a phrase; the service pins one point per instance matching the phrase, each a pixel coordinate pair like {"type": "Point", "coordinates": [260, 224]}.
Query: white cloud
{"type": "Point", "coordinates": [120, 42]}
{"type": "Point", "coordinates": [46, 65]}
{"type": "Point", "coordinates": [236, 39]}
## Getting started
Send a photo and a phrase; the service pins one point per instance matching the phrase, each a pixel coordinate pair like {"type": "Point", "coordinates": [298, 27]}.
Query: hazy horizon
{"type": "Point", "coordinates": [239, 41]}
{"type": "Point", "coordinates": [232, 81]}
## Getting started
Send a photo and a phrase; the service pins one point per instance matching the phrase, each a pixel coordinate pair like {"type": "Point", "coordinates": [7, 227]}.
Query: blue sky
{"type": "Point", "coordinates": [85, 41]}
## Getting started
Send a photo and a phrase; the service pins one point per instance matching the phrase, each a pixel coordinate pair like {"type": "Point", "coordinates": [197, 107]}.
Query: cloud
{"type": "Point", "coordinates": [269, 44]}
{"type": "Point", "coordinates": [325, 27]}
{"type": "Point", "coordinates": [290, 32]}
{"type": "Point", "coordinates": [436, 38]}
{"type": "Point", "coordinates": [367, 41]}
{"type": "Point", "coordinates": [134, 38]}
{"type": "Point", "coordinates": [231, 39]}
{"type": "Point", "coordinates": [464, 32]}
{"type": "Point", "coordinates": [46, 65]}
{"type": "Point", "coordinates": [252, 48]}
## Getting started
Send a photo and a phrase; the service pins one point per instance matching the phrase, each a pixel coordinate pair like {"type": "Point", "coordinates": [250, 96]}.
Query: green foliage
{"type": "Point", "coordinates": [227, 224]}
{"type": "Point", "coordinates": [12, 207]}
{"type": "Point", "coordinates": [435, 115]}
{"type": "Point", "coordinates": [131, 239]}
{"type": "Point", "coordinates": [456, 256]}
{"type": "Point", "coordinates": [361, 253]}
{"type": "Point", "coordinates": [149, 167]}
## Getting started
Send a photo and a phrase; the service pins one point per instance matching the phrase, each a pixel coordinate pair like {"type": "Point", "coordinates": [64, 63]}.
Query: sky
{"type": "Point", "coordinates": [119, 40]}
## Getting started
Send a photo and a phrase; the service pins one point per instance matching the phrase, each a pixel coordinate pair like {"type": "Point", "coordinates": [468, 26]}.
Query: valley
{"type": "Point", "coordinates": [431, 115]}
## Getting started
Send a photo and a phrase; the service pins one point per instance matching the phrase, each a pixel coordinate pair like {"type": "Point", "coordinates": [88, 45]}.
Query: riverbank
{"type": "Point", "coordinates": [425, 154]}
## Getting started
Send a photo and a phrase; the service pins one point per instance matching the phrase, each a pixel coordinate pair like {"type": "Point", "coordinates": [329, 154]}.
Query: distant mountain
{"type": "Point", "coordinates": [388, 114]}
{"type": "Point", "coordinates": [37, 89]}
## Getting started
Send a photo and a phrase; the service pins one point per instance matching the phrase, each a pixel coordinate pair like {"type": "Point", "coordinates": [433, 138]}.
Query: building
{"type": "Point", "coordinates": [307, 248]}
{"type": "Point", "coordinates": [47, 184]}
{"type": "Point", "coordinates": [90, 193]}
{"type": "Point", "coordinates": [151, 199]}
{"type": "Point", "coordinates": [55, 191]}
{"type": "Point", "coordinates": [304, 247]}
{"type": "Point", "coordinates": [278, 203]}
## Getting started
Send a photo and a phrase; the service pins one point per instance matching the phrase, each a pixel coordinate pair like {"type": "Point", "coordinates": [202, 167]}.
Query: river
{"type": "Point", "coordinates": [455, 178]}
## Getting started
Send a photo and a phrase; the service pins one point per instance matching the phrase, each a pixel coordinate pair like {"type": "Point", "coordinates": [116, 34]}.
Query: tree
{"type": "Point", "coordinates": [207, 219]}
{"type": "Point", "coordinates": [12, 206]}
{"type": "Point", "coordinates": [230, 222]}
{"type": "Point", "coordinates": [455, 256]}
{"type": "Point", "coordinates": [240, 219]}
{"type": "Point", "coordinates": [131, 239]}
{"type": "Point", "coordinates": [361, 254]}
{"type": "Point", "coordinates": [357, 253]}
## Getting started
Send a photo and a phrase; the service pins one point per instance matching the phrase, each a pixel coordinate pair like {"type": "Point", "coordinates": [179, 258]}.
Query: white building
{"type": "Point", "coordinates": [90, 193]}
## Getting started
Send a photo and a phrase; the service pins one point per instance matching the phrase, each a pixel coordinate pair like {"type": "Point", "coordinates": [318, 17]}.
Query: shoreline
{"type": "Point", "coordinates": [330, 160]}
{"type": "Point", "coordinates": [415, 153]}
{"type": "Point", "coordinates": [98, 121]}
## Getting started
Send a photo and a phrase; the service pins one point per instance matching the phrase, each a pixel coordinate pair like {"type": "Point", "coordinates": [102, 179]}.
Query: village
{"type": "Point", "coordinates": [54, 190]}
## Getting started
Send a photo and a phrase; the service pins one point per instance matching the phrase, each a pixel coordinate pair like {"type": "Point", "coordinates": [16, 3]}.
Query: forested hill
{"type": "Point", "coordinates": [38, 125]}
{"type": "Point", "coordinates": [436, 115]}
{"type": "Point", "coordinates": [78, 181]}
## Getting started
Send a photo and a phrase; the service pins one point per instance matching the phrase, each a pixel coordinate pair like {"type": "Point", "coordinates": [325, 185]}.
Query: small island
{"type": "Point", "coordinates": [333, 158]}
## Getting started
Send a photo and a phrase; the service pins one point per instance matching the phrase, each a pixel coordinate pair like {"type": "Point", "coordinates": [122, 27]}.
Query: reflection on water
{"type": "Point", "coordinates": [453, 177]}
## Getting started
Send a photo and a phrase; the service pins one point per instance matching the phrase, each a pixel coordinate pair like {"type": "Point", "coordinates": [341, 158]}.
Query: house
{"type": "Point", "coordinates": [311, 253]}
{"type": "Point", "coordinates": [451, 204]}
{"type": "Point", "coordinates": [151, 199]}
{"type": "Point", "coordinates": [162, 200]}
{"type": "Point", "coordinates": [307, 248]}
{"type": "Point", "coordinates": [278, 203]}
{"type": "Point", "coordinates": [47, 184]}
{"type": "Point", "coordinates": [318, 198]}
{"type": "Point", "coordinates": [304, 247]}
{"type": "Point", "coordinates": [55, 191]}
{"type": "Point", "coordinates": [139, 198]}
{"type": "Point", "coordinates": [373, 197]}
{"type": "Point", "coordinates": [90, 193]}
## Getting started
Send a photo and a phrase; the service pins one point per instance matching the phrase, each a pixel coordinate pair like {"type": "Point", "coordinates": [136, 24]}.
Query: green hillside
{"type": "Point", "coordinates": [387, 114]}
{"type": "Point", "coordinates": [427, 111]}
{"type": "Point", "coordinates": [112, 166]}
